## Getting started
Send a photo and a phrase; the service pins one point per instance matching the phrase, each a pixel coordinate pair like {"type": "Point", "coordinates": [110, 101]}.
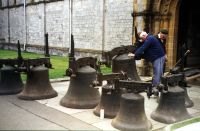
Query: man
{"type": "Point", "coordinates": [152, 51]}
{"type": "Point", "coordinates": [162, 36]}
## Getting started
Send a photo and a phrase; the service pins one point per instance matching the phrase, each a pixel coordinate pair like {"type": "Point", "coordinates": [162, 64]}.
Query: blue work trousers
{"type": "Point", "coordinates": [158, 66]}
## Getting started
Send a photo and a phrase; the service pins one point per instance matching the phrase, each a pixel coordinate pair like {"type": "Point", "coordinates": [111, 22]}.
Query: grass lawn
{"type": "Point", "coordinates": [59, 63]}
{"type": "Point", "coordinates": [183, 125]}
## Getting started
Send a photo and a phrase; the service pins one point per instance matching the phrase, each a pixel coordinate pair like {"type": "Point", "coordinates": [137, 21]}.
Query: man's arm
{"type": "Point", "coordinates": [145, 46]}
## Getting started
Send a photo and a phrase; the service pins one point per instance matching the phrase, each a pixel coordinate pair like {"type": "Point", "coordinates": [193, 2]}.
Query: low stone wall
{"type": "Point", "coordinates": [52, 50]}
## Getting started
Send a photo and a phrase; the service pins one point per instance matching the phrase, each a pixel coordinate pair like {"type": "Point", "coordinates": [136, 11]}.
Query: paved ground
{"type": "Point", "coordinates": [16, 114]}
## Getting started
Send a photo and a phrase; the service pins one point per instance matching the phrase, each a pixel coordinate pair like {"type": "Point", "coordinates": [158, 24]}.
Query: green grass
{"type": "Point", "coordinates": [105, 69]}
{"type": "Point", "coordinates": [185, 123]}
{"type": "Point", "coordinates": [59, 63]}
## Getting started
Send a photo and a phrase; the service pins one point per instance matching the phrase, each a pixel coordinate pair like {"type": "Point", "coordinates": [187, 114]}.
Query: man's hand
{"type": "Point", "coordinates": [131, 55]}
{"type": "Point", "coordinates": [165, 58]}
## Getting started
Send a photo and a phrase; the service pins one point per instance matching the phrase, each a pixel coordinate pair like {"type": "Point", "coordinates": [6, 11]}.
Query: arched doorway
{"type": "Point", "coordinates": [180, 17]}
{"type": "Point", "coordinates": [189, 32]}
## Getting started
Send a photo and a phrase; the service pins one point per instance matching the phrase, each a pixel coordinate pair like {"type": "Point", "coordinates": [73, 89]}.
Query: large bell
{"type": "Point", "coordinates": [183, 85]}
{"type": "Point", "coordinates": [80, 94]}
{"type": "Point", "coordinates": [110, 102]}
{"type": "Point", "coordinates": [37, 85]}
{"type": "Point", "coordinates": [10, 81]}
{"type": "Point", "coordinates": [131, 115]}
{"type": "Point", "coordinates": [124, 63]}
{"type": "Point", "coordinates": [171, 107]}
{"type": "Point", "coordinates": [188, 101]}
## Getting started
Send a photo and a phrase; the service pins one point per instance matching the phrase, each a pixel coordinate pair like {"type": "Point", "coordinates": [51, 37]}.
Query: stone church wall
{"type": "Point", "coordinates": [96, 25]}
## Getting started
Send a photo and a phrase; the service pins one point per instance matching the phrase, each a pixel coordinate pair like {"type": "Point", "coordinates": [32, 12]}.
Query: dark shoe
{"type": "Point", "coordinates": [155, 91]}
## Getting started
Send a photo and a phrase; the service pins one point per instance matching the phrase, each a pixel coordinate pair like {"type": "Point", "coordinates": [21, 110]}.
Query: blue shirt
{"type": "Point", "coordinates": [151, 49]}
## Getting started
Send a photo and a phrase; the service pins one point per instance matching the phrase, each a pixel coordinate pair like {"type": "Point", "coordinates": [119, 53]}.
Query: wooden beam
{"type": "Point", "coordinates": [193, 77]}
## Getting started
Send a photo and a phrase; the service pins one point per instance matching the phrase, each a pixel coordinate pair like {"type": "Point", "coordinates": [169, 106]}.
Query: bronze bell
{"type": "Point", "coordinates": [188, 101]}
{"type": "Point", "coordinates": [131, 115]}
{"type": "Point", "coordinates": [37, 85]}
{"type": "Point", "coordinates": [10, 81]}
{"type": "Point", "coordinates": [110, 102]}
{"type": "Point", "coordinates": [183, 85]}
{"type": "Point", "coordinates": [80, 95]}
{"type": "Point", "coordinates": [124, 63]}
{"type": "Point", "coordinates": [171, 107]}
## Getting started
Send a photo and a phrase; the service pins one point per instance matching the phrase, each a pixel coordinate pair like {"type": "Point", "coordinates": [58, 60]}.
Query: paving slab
{"type": "Point", "coordinates": [13, 117]}
{"type": "Point", "coordinates": [48, 114]}
{"type": "Point", "coordinates": [31, 115]}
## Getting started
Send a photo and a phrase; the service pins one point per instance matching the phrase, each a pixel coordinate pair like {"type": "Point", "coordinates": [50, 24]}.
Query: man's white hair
{"type": "Point", "coordinates": [142, 34]}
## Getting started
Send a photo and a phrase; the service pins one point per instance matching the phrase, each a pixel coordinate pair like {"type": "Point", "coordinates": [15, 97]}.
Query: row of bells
{"type": "Point", "coordinates": [37, 84]}
{"type": "Point", "coordinates": [126, 109]}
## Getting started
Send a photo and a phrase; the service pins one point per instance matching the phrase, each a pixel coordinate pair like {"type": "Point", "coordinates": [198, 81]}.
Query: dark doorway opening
{"type": "Point", "coordinates": [189, 33]}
